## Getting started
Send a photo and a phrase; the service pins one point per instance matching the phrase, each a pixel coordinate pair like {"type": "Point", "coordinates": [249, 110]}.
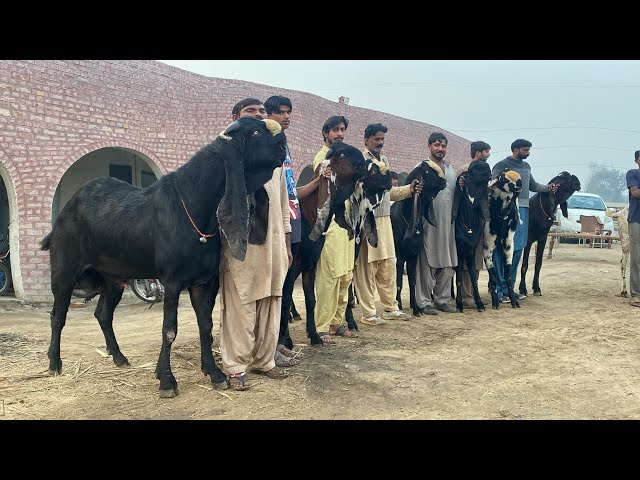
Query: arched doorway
{"type": "Point", "coordinates": [10, 275]}
{"type": "Point", "coordinates": [123, 163]}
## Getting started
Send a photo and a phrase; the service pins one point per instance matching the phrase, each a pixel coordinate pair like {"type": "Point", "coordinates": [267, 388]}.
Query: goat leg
{"type": "Point", "coordinates": [525, 266]}
{"type": "Point", "coordinates": [168, 384]}
{"type": "Point", "coordinates": [351, 322]}
{"type": "Point", "coordinates": [459, 271]}
{"type": "Point", "coordinates": [412, 265]}
{"type": "Point", "coordinates": [308, 285]}
{"type": "Point", "coordinates": [109, 299]}
{"type": "Point", "coordinates": [203, 299]}
{"type": "Point", "coordinates": [473, 276]}
{"type": "Point", "coordinates": [539, 258]}
{"type": "Point", "coordinates": [399, 274]}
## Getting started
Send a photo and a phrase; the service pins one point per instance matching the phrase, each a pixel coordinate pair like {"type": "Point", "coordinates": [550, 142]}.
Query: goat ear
{"type": "Point", "coordinates": [233, 211]}
{"type": "Point", "coordinates": [370, 229]}
{"type": "Point", "coordinates": [563, 207]}
{"type": "Point", "coordinates": [259, 217]}
{"type": "Point", "coordinates": [456, 203]}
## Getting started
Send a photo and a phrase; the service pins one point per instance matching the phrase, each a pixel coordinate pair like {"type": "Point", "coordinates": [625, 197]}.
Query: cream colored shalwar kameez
{"type": "Point", "coordinates": [438, 255]}
{"type": "Point", "coordinates": [375, 268]}
{"type": "Point", "coordinates": [251, 291]}
{"type": "Point", "coordinates": [334, 270]}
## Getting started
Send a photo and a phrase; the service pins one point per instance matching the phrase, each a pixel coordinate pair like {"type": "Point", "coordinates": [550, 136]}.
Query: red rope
{"type": "Point", "coordinates": [543, 211]}
{"type": "Point", "coordinates": [202, 235]}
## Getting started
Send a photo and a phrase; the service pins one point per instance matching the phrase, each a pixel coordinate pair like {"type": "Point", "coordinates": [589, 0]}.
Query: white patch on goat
{"type": "Point", "coordinates": [171, 336]}
{"type": "Point", "coordinates": [489, 245]}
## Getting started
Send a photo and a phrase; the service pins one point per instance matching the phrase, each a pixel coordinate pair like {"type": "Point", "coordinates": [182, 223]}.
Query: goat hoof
{"type": "Point", "coordinates": [121, 361]}
{"type": "Point", "coordinates": [517, 305]}
{"type": "Point", "coordinates": [315, 340]}
{"type": "Point", "coordinates": [538, 293]}
{"type": "Point", "coordinates": [218, 386]}
{"type": "Point", "coordinates": [170, 393]}
{"type": "Point", "coordinates": [55, 372]}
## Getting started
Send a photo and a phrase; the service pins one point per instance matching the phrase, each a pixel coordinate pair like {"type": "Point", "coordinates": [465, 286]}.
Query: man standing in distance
{"type": "Point", "coordinates": [633, 184]}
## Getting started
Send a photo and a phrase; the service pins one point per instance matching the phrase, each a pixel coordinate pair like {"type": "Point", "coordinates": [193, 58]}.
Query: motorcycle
{"type": "Point", "coordinates": [149, 290]}
{"type": "Point", "coordinates": [5, 269]}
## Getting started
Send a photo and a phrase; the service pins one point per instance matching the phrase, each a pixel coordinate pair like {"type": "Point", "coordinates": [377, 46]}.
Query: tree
{"type": "Point", "coordinates": [608, 182]}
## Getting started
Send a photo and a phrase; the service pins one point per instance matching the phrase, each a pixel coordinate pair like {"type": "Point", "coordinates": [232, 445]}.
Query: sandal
{"type": "Point", "coordinates": [327, 337]}
{"type": "Point", "coordinates": [285, 361]}
{"type": "Point", "coordinates": [343, 331]}
{"type": "Point", "coordinates": [238, 382]}
{"type": "Point", "coordinates": [274, 373]}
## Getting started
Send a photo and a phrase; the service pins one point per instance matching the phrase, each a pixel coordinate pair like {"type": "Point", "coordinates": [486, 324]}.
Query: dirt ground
{"type": "Point", "coordinates": [570, 354]}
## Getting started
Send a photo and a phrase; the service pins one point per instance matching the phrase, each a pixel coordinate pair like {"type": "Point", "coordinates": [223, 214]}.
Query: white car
{"type": "Point", "coordinates": [585, 204]}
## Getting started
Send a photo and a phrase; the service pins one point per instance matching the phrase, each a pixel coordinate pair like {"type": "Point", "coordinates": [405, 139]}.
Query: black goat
{"type": "Point", "coordinates": [348, 167]}
{"type": "Point", "coordinates": [470, 214]}
{"type": "Point", "coordinates": [111, 231]}
{"type": "Point", "coordinates": [542, 212]}
{"type": "Point", "coordinates": [501, 228]}
{"type": "Point", "coordinates": [406, 223]}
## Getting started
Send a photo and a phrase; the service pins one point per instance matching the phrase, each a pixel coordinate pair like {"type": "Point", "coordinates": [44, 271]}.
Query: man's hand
{"type": "Point", "coordinates": [327, 172]}
{"type": "Point", "coordinates": [416, 187]}
{"type": "Point", "coordinates": [461, 181]}
{"type": "Point", "coordinates": [553, 187]}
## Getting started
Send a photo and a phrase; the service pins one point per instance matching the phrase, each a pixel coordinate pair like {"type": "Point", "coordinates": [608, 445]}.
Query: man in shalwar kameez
{"type": "Point", "coordinates": [334, 269]}
{"type": "Point", "coordinates": [251, 292]}
{"type": "Point", "coordinates": [375, 268]}
{"type": "Point", "coordinates": [438, 255]}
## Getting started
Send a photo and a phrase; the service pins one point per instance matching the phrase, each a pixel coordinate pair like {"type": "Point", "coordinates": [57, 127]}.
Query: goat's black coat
{"type": "Point", "coordinates": [349, 167]}
{"type": "Point", "coordinates": [110, 231]}
{"type": "Point", "coordinates": [470, 213]}
{"type": "Point", "coordinates": [500, 229]}
{"type": "Point", "coordinates": [542, 211]}
{"type": "Point", "coordinates": [408, 231]}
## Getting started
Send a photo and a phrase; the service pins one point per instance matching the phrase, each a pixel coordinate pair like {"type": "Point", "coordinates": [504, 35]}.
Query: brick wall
{"type": "Point", "coordinates": [54, 112]}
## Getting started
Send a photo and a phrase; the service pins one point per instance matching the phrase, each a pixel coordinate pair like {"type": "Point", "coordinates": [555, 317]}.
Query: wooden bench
{"type": "Point", "coordinates": [586, 236]}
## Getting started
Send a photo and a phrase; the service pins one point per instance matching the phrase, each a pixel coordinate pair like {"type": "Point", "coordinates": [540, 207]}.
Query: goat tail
{"type": "Point", "coordinates": [45, 243]}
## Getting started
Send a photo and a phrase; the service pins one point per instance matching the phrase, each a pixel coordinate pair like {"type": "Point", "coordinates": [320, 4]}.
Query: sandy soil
{"type": "Point", "coordinates": [570, 354]}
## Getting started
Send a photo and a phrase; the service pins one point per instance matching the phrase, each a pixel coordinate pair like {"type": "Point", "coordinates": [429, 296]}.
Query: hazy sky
{"type": "Point", "coordinates": [575, 112]}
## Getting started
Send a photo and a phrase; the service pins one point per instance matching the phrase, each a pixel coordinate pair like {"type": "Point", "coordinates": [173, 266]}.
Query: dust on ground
{"type": "Point", "coordinates": [570, 354]}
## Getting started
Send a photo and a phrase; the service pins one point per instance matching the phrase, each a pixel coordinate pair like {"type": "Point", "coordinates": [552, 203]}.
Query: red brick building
{"type": "Point", "coordinates": [64, 122]}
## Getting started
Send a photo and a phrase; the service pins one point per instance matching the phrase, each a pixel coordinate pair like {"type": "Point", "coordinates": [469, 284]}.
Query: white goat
{"type": "Point", "coordinates": [623, 230]}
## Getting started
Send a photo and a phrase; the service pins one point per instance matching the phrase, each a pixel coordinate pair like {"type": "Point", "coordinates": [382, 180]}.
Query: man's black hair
{"type": "Point", "coordinates": [243, 103]}
{"type": "Point", "coordinates": [374, 128]}
{"type": "Point", "coordinates": [520, 143]}
{"type": "Point", "coordinates": [273, 104]}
